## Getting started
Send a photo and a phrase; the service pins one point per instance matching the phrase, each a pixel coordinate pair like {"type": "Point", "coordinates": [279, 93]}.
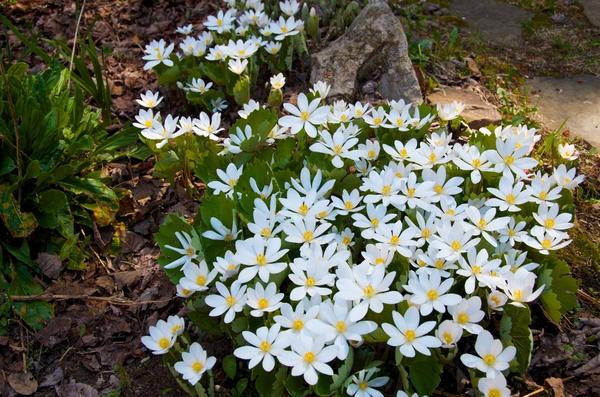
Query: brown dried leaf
{"type": "Point", "coordinates": [23, 383]}
{"type": "Point", "coordinates": [50, 264]}
{"type": "Point", "coordinates": [557, 386]}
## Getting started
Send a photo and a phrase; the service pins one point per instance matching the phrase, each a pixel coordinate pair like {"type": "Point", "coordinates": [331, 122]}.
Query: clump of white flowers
{"type": "Point", "coordinates": [329, 228]}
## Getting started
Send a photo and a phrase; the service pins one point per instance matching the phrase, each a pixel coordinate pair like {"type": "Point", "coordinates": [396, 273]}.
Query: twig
{"type": "Point", "coordinates": [535, 392]}
{"type": "Point", "coordinates": [75, 43]}
{"type": "Point", "coordinates": [113, 300]}
{"type": "Point", "coordinates": [584, 295]}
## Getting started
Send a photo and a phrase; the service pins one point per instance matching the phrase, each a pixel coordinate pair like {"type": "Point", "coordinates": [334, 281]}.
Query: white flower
{"type": "Point", "coordinates": [194, 363]}
{"type": "Point", "coordinates": [371, 291]}
{"type": "Point", "coordinates": [477, 268]}
{"type": "Point", "coordinates": [308, 231]}
{"type": "Point", "coordinates": [442, 189]}
{"type": "Point", "coordinates": [309, 356]}
{"type": "Point", "coordinates": [289, 7]}
{"type": "Point", "coordinates": [161, 338]}
{"type": "Point", "coordinates": [223, 22]}
{"type": "Point", "coordinates": [229, 179]}
{"type": "Point", "coordinates": [227, 266]}
{"type": "Point", "coordinates": [304, 116]}
{"type": "Point", "coordinates": [237, 66]}
{"type": "Point", "coordinates": [220, 232]}
{"type": "Point", "coordinates": [321, 89]}
{"type": "Point", "coordinates": [248, 108]}
{"type": "Point", "coordinates": [568, 152]}
{"type": "Point", "coordinates": [156, 53]}
{"type": "Point", "coordinates": [509, 156]}
{"type": "Point", "coordinates": [543, 241]}
{"type": "Point", "coordinates": [450, 111]}
{"type": "Point", "coordinates": [429, 292]}
{"type": "Point", "coordinates": [493, 359]}
{"type": "Point", "coordinates": [198, 85]}
{"type": "Point", "coordinates": [376, 117]}
{"type": "Point", "coordinates": [187, 250]}
{"type": "Point", "coordinates": [260, 257]}
{"type": "Point", "coordinates": [263, 300]}
{"type": "Point", "coordinates": [197, 277]}
{"type": "Point", "coordinates": [334, 325]}
{"type": "Point", "coordinates": [470, 159]}
{"type": "Point", "coordinates": [229, 301]}
{"type": "Point", "coordinates": [208, 126]}
{"type": "Point", "coordinates": [183, 292]}
{"type": "Point", "coordinates": [149, 100]}
{"type": "Point", "coordinates": [508, 195]}
{"type": "Point", "coordinates": [513, 232]}
{"type": "Point", "coordinates": [146, 119]}
{"type": "Point", "coordinates": [496, 300]}
{"type": "Point", "coordinates": [493, 387]}
{"type": "Point", "coordinates": [350, 202]}
{"type": "Point", "coordinates": [519, 287]}
{"type": "Point", "coordinates": [467, 314]}
{"type": "Point", "coordinates": [310, 274]}
{"type": "Point", "coordinates": [284, 28]}
{"type": "Point", "coordinates": [453, 239]}
{"type": "Point", "coordinates": [277, 81]}
{"type": "Point", "coordinates": [409, 335]}
{"type": "Point", "coordinates": [163, 132]}
{"type": "Point", "coordinates": [566, 178]}
{"type": "Point", "coordinates": [264, 346]}
{"type": "Point", "coordinates": [338, 145]}
{"type": "Point", "coordinates": [185, 30]}
{"type": "Point", "coordinates": [449, 333]}
{"type": "Point", "coordinates": [363, 386]}
{"type": "Point", "coordinates": [240, 50]}
{"type": "Point", "coordinates": [376, 218]}
{"type": "Point", "coordinates": [551, 221]}
{"type": "Point", "coordinates": [393, 238]}
{"type": "Point", "coordinates": [295, 320]}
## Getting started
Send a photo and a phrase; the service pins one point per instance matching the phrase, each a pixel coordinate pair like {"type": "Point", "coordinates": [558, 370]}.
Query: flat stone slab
{"type": "Point", "coordinates": [575, 100]}
{"type": "Point", "coordinates": [591, 9]}
{"type": "Point", "coordinates": [478, 112]}
{"type": "Point", "coordinates": [498, 22]}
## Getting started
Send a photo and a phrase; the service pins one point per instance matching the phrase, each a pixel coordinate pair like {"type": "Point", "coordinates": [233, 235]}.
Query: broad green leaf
{"type": "Point", "coordinates": [560, 288]}
{"type": "Point", "coordinates": [514, 330]}
{"type": "Point", "coordinates": [343, 372]}
{"type": "Point", "coordinates": [424, 373]}
{"type": "Point", "coordinates": [19, 224]}
{"type": "Point", "coordinates": [166, 236]}
{"type": "Point", "coordinates": [230, 366]}
{"type": "Point", "coordinates": [35, 314]}
{"type": "Point", "coordinates": [93, 188]}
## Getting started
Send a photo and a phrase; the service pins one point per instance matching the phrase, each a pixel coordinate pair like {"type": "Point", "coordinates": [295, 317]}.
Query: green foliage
{"type": "Point", "coordinates": [514, 329]}
{"type": "Point", "coordinates": [50, 141]}
{"type": "Point", "coordinates": [560, 289]}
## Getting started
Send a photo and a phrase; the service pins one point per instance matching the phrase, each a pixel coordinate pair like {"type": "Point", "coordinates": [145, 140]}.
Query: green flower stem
{"type": "Point", "coordinates": [403, 373]}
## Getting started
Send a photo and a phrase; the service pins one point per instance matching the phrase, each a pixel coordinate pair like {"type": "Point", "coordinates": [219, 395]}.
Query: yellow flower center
{"type": "Point", "coordinates": [185, 291]}
{"type": "Point", "coordinates": [219, 22]}
{"type": "Point", "coordinates": [297, 325]}
{"type": "Point", "coordinates": [438, 189]}
{"type": "Point", "coordinates": [509, 160]}
{"type": "Point", "coordinates": [518, 295]}
{"type": "Point", "coordinates": [230, 300]}
{"type": "Point", "coordinates": [550, 223]}
{"type": "Point", "coordinates": [309, 357]}
{"type": "Point", "coordinates": [164, 343]}
{"type": "Point", "coordinates": [511, 232]}
{"type": "Point", "coordinates": [348, 205]}
{"type": "Point", "coordinates": [387, 190]}
{"type": "Point", "coordinates": [377, 120]}
{"type": "Point", "coordinates": [375, 222]}
{"type": "Point", "coordinates": [426, 233]}
{"type": "Point", "coordinates": [201, 280]}
{"type": "Point", "coordinates": [265, 346]}
{"type": "Point", "coordinates": [232, 182]}
{"type": "Point", "coordinates": [346, 240]}
{"type": "Point", "coordinates": [432, 157]}
{"type": "Point", "coordinates": [148, 123]}
{"type": "Point", "coordinates": [421, 263]}
{"type": "Point", "coordinates": [344, 117]}
{"type": "Point", "coordinates": [261, 260]}
{"type": "Point", "coordinates": [456, 245]}
{"type": "Point", "coordinates": [363, 385]}
{"type": "Point", "coordinates": [394, 240]}
{"type": "Point", "coordinates": [175, 328]}
{"type": "Point", "coordinates": [322, 214]}
{"type": "Point", "coordinates": [510, 198]}
{"type": "Point", "coordinates": [543, 195]}
{"type": "Point", "coordinates": [447, 337]}
{"type": "Point", "coordinates": [489, 359]}
{"type": "Point", "coordinates": [284, 29]}
{"type": "Point", "coordinates": [494, 393]}
{"type": "Point", "coordinates": [303, 209]}
{"type": "Point", "coordinates": [371, 154]}
{"type": "Point", "coordinates": [369, 291]}
{"type": "Point", "coordinates": [310, 282]}
{"type": "Point", "coordinates": [308, 236]}
{"type": "Point", "coordinates": [463, 318]}
{"type": "Point", "coordinates": [379, 261]}
{"type": "Point", "coordinates": [411, 192]}
{"type": "Point", "coordinates": [265, 232]}
{"type": "Point", "coordinates": [451, 212]}
{"type": "Point", "coordinates": [432, 294]}
{"type": "Point", "coordinates": [190, 251]}
{"type": "Point", "coordinates": [403, 152]}
{"type": "Point", "coordinates": [399, 122]}
{"type": "Point", "coordinates": [476, 163]}
{"type": "Point", "coordinates": [476, 269]}
{"type": "Point", "coordinates": [304, 116]}
{"type": "Point", "coordinates": [337, 149]}
{"type": "Point", "coordinates": [482, 223]}
{"type": "Point", "coordinates": [197, 366]}
{"type": "Point", "coordinates": [495, 299]}
{"type": "Point", "coordinates": [231, 267]}
{"type": "Point", "coordinates": [341, 327]}
{"type": "Point", "coordinates": [439, 263]}
{"type": "Point", "coordinates": [410, 335]}
{"type": "Point", "coordinates": [263, 303]}
{"type": "Point", "coordinates": [547, 244]}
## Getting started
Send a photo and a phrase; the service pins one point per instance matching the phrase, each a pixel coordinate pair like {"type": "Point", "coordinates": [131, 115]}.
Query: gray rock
{"type": "Point", "coordinates": [591, 9]}
{"type": "Point", "coordinates": [375, 40]}
{"type": "Point", "coordinates": [478, 112]}
{"type": "Point", "coordinates": [498, 22]}
{"type": "Point", "coordinates": [574, 101]}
